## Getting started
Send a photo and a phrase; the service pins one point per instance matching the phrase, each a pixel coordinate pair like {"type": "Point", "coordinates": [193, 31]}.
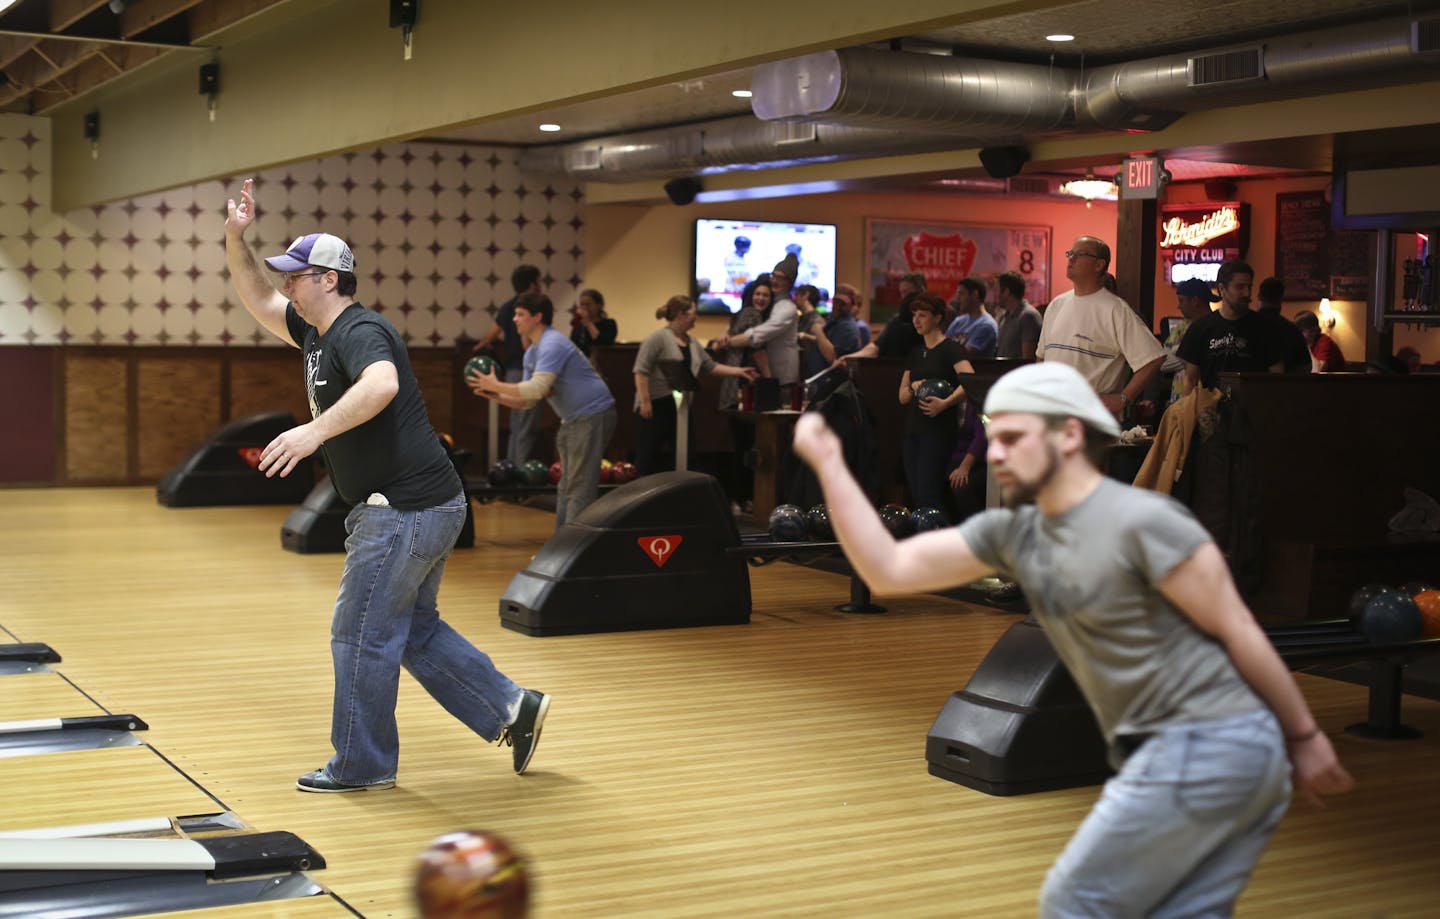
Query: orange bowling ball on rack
{"type": "Point", "coordinates": [471, 874]}
{"type": "Point", "coordinates": [1429, 603]}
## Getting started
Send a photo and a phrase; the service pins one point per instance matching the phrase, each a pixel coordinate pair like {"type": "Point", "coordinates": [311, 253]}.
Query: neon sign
{"type": "Point", "coordinates": [1217, 223]}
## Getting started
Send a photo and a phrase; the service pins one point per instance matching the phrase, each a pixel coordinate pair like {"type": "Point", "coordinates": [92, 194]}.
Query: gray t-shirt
{"type": "Point", "coordinates": [660, 345]}
{"type": "Point", "coordinates": [1092, 577]}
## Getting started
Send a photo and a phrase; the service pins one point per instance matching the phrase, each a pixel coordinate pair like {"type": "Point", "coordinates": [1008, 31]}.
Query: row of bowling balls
{"type": "Point", "coordinates": [791, 523]}
{"type": "Point", "coordinates": [505, 473]}
{"type": "Point", "coordinates": [1388, 614]}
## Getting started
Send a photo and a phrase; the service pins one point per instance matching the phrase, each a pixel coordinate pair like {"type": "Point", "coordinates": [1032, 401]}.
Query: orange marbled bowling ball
{"type": "Point", "coordinates": [471, 874]}
{"type": "Point", "coordinates": [1429, 603]}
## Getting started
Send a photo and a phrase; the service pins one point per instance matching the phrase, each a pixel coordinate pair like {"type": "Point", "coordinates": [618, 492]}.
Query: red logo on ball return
{"type": "Point", "coordinates": [659, 548]}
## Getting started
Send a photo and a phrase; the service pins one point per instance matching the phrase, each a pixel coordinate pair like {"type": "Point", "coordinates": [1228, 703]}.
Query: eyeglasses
{"type": "Point", "coordinates": [1075, 253]}
{"type": "Point", "coordinates": [290, 278]}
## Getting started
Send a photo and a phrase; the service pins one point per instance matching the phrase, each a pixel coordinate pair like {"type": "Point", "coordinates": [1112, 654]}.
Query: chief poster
{"type": "Point", "coordinates": [947, 252]}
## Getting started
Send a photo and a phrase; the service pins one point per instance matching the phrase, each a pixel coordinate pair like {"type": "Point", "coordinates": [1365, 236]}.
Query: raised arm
{"type": "Point", "coordinates": [256, 292]}
{"type": "Point", "coordinates": [929, 561]}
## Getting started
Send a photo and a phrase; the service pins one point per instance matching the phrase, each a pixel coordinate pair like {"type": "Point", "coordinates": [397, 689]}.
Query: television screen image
{"type": "Point", "coordinates": [729, 254]}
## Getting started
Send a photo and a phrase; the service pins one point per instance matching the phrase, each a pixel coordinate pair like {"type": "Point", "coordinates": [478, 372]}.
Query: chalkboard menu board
{"type": "Point", "coordinates": [1313, 260]}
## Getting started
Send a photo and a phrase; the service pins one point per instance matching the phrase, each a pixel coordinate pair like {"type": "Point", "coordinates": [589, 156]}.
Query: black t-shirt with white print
{"type": "Point", "coordinates": [396, 453]}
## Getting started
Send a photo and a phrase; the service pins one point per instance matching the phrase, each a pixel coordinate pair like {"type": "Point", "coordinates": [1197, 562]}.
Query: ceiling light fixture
{"type": "Point", "coordinates": [741, 93]}
{"type": "Point", "coordinates": [549, 128]}
{"type": "Point", "coordinates": [1060, 36]}
{"type": "Point", "coordinates": [1091, 188]}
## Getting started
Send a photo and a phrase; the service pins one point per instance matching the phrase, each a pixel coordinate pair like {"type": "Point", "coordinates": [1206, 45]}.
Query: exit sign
{"type": "Point", "coordinates": [1142, 177]}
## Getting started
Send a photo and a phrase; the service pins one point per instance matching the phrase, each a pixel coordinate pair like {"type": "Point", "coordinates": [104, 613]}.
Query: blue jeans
{"type": "Point", "coordinates": [1177, 832]}
{"type": "Point", "coordinates": [581, 443]}
{"type": "Point", "coordinates": [524, 422]}
{"type": "Point", "coordinates": [386, 618]}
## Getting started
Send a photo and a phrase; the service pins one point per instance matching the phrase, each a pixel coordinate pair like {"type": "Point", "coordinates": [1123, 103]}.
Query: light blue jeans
{"type": "Point", "coordinates": [524, 423]}
{"type": "Point", "coordinates": [386, 618]}
{"type": "Point", "coordinates": [1177, 832]}
{"type": "Point", "coordinates": [581, 443]}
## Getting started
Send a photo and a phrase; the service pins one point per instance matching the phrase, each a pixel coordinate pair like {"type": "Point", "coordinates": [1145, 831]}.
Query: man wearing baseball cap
{"type": "Point", "coordinates": [1205, 725]}
{"type": "Point", "coordinates": [409, 505]}
{"type": "Point", "coordinates": [1194, 297]}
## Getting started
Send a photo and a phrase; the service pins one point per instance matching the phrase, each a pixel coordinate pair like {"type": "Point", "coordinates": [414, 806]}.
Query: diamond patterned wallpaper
{"type": "Point", "coordinates": [436, 230]}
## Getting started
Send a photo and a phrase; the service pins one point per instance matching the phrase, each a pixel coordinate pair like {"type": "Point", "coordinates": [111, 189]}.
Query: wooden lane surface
{"type": "Point", "coordinates": [317, 907]}
{"type": "Point", "coordinates": [772, 769]}
{"type": "Point", "coordinates": [94, 786]}
{"type": "Point", "coordinates": [43, 694]}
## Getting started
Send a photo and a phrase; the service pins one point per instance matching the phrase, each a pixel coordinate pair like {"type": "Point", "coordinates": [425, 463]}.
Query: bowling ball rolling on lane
{"type": "Point", "coordinates": [471, 874]}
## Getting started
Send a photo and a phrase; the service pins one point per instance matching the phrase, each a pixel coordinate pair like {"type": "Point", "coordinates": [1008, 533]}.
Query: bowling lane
{"type": "Point", "coordinates": [95, 786]}
{"type": "Point", "coordinates": [317, 907]}
{"type": "Point", "coordinates": [27, 696]}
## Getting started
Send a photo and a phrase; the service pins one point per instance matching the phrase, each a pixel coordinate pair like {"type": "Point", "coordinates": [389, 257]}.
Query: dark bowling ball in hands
{"type": "Point", "coordinates": [940, 389]}
{"type": "Point", "coordinates": [817, 520]}
{"type": "Point", "coordinates": [1390, 617]}
{"type": "Point", "coordinates": [928, 518]}
{"type": "Point", "coordinates": [482, 364]}
{"type": "Point", "coordinates": [534, 472]}
{"type": "Point", "coordinates": [896, 518]}
{"type": "Point", "coordinates": [472, 874]}
{"type": "Point", "coordinates": [504, 473]}
{"type": "Point", "coordinates": [555, 472]}
{"type": "Point", "coordinates": [1363, 596]}
{"type": "Point", "coordinates": [788, 524]}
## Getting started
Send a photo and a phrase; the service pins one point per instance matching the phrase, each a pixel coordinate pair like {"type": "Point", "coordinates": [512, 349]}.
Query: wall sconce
{"type": "Point", "coordinates": [404, 14]}
{"type": "Point", "coordinates": [210, 85]}
{"type": "Point", "coordinates": [92, 133]}
{"type": "Point", "coordinates": [1327, 315]}
{"type": "Point", "coordinates": [1091, 188]}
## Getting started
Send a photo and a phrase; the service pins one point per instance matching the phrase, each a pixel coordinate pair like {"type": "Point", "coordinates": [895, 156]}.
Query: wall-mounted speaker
{"type": "Point", "coordinates": [682, 190]}
{"type": "Point", "coordinates": [1003, 162]}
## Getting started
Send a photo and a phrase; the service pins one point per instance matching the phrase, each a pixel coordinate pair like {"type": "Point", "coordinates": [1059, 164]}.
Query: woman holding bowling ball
{"type": "Point", "coordinates": [930, 391]}
{"type": "Point", "coordinates": [655, 412]}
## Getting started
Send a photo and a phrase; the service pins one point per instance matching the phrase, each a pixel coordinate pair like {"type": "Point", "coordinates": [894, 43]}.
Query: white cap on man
{"type": "Point", "coordinates": [1050, 388]}
{"type": "Point", "coordinates": [318, 250]}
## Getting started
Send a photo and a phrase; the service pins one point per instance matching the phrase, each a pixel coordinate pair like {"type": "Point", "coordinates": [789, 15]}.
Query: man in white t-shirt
{"type": "Point", "coordinates": [1097, 333]}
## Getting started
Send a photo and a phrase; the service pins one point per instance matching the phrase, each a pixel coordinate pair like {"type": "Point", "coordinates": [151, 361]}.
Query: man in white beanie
{"type": "Point", "coordinates": [1205, 725]}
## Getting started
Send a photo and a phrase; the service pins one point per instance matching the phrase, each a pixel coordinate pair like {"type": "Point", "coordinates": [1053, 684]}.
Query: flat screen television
{"type": "Point", "coordinates": [728, 254]}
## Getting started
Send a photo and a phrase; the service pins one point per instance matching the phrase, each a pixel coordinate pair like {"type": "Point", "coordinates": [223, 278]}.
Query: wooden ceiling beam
{"type": "Point", "coordinates": [210, 16]}
{"type": "Point", "coordinates": [145, 14]}
{"type": "Point", "coordinates": [65, 13]}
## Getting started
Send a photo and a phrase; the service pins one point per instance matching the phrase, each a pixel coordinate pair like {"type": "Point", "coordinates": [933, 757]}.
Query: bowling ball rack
{"type": "Point", "coordinates": [760, 550]}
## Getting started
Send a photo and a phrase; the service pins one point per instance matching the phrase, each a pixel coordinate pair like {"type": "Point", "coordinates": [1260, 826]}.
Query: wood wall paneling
{"type": "Point", "coordinates": [97, 422]}
{"type": "Point", "coordinates": [27, 415]}
{"type": "Point", "coordinates": [178, 400]}
{"type": "Point", "coordinates": [267, 380]}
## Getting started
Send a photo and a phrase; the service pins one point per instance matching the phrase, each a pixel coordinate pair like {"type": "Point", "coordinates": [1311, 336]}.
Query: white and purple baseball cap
{"type": "Point", "coordinates": [319, 250]}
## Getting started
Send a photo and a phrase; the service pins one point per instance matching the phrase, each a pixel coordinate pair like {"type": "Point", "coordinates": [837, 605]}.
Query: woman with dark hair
{"type": "Point", "coordinates": [655, 421]}
{"type": "Point", "coordinates": [755, 303]}
{"type": "Point", "coordinates": [932, 423]}
{"type": "Point", "coordinates": [592, 326]}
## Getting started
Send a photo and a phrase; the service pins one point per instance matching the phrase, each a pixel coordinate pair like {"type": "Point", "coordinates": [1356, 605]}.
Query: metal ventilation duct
{"type": "Point", "coordinates": [887, 89]}
{"type": "Point", "coordinates": [859, 102]}
{"type": "Point", "coordinates": [725, 145]}
{"type": "Point", "coordinates": [1153, 93]}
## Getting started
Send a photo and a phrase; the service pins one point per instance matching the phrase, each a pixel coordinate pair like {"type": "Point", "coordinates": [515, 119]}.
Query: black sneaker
{"type": "Point", "coordinates": [320, 781]}
{"type": "Point", "coordinates": [523, 734]}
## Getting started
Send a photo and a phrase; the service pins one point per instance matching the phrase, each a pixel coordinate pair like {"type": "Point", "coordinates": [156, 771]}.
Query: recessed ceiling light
{"type": "Point", "coordinates": [1059, 36]}
{"type": "Point", "coordinates": [741, 93]}
{"type": "Point", "coordinates": [551, 128]}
